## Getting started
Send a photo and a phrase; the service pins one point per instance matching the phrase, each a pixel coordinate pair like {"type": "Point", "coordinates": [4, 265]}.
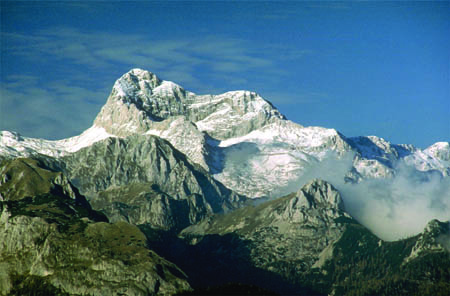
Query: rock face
{"type": "Point", "coordinates": [286, 235]}
{"type": "Point", "coordinates": [24, 177]}
{"type": "Point", "coordinates": [143, 204]}
{"type": "Point", "coordinates": [104, 258]}
{"type": "Point", "coordinates": [139, 99]}
{"type": "Point", "coordinates": [435, 238]}
{"type": "Point", "coordinates": [52, 242]}
{"type": "Point", "coordinates": [185, 136]}
{"type": "Point", "coordinates": [143, 179]}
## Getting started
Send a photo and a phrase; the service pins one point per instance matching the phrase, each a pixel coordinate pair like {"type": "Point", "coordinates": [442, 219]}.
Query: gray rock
{"type": "Point", "coordinates": [50, 234]}
{"type": "Point", "coordinates": [434, 238]}
{"type": "Point", "coordinates": [287, 235]}
{"type": "Point", "coordinates": [139, 99]}
{"type": "Point", "coordinates": [103, 259]}
{"type": "Point", "coordinates": [141, 173]}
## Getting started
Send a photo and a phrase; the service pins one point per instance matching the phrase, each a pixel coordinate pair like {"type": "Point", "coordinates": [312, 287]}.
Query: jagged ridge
{"type": "Point", "coordinates": [239, 137]}
{"type": "Point", "coordinates": [143, 179]}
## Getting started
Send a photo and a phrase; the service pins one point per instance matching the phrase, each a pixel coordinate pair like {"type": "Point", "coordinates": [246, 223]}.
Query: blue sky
{"type": "Point", "coordinates": [363, 68]}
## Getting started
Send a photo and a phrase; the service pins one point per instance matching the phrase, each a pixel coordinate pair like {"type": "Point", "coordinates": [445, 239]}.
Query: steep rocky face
{"type": "Point", "coordinates": [184, 136]}
{"type": "Point", "coordinates": [434, 238]}
{"type": "Point", "coordinates": [145, 204]}
{"type": "Point", "coordinates": [139, 99]}
{"type": "Point", "coordinates": [139, 159]}
{"type": "Point", "coordinates": [52, 242]}
{"type": "Point", "coordinates": [287, 235]}
{"type": "Point", "coordinates": [142, 173]}
{"type": "Point", "coordinates": [101, 258]}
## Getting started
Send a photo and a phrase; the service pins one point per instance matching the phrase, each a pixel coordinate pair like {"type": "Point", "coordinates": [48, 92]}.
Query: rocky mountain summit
{"type": "Point", "coordinates": [238, 137]}
{"type": "Point", "coordinates": [171, 191]}
{"type": "Point", "coordinates": [139, 98]}
{"type": "Point", "coordinates": [287, 235]}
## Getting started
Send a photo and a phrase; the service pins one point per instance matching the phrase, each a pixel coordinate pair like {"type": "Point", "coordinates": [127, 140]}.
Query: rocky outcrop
{"type": "Point", "coordinates": [52, 242]}
{"type": "Point", "coordinates": [139, 99]}
{"type": "Point", "coordinates": [145, 204]}
{"type": "Point", "coordinates": [142, 173]}
{"type": "Point", "coordinates": [185, 137]}
{"type": "Point", "coordinates": [434, 238]}
{"type": "Point", "coordinates": [102, 258]}
{"type": "Point", "coordinates": [286, 235]}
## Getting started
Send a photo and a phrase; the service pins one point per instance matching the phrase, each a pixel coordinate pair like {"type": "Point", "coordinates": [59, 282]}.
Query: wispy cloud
{"type": "Point", "coordinates": [57, 110]}
{"type": "Point", "coordinates": [221, 56]}
{"type": "Point", "coordinates": [392, 208]}
{"type": "Point", "coordinates": [57, 107]}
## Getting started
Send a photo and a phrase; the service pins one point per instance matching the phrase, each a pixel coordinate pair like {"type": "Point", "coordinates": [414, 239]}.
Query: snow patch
{"type": "Point", "coordinates": [14, 145]}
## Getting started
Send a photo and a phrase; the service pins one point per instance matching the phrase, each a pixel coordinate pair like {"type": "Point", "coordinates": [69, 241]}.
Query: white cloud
{"type": "Point", "coordinates": [392, 208]}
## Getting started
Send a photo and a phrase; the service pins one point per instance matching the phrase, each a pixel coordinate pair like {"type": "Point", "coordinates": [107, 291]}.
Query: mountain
{"type": "Point", "coordinates": [53, 243]}
{"type": "Point", "coordinates": [172, 192]}
{"type": "Point", "coordinates": [294, 230]}
{"type": "Point", "coordinates": [143, 179]}
{"type": "Point", "coordinates": [306, 244]}
{"type": "Point", "coordinates": [238, 137]}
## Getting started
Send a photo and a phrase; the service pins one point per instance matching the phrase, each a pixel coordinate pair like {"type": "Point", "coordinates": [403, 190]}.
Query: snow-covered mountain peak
{"type": "Point", "coordinates": [238, 136]}
{"type": "Point", "coordinates": [139, 99]}
{"type": "Point", "coordinates": [233, 114]}
{"type": "Point", "coordinates": [135, 84]}
{"type": "Point", "coordinates": [168, 88]}
{"type": "Point", "coordinates": [440, 150]}
{"type": "Point", "coordinates": [140, 77]}
{"type": "Point", "coordinates": [9, 137]}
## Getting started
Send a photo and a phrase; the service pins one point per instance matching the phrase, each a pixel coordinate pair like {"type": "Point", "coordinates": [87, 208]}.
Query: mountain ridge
{"type": "Point", "coordinates": [213, 130]}
{"type": "Point", "coordinates": [53, 243]}
{"type": "Point", "coordinates": [153, 199]}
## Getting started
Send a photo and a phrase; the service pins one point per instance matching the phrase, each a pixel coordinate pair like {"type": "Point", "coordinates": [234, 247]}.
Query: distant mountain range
{"type": "Point", "coordinates": [172, 192]}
